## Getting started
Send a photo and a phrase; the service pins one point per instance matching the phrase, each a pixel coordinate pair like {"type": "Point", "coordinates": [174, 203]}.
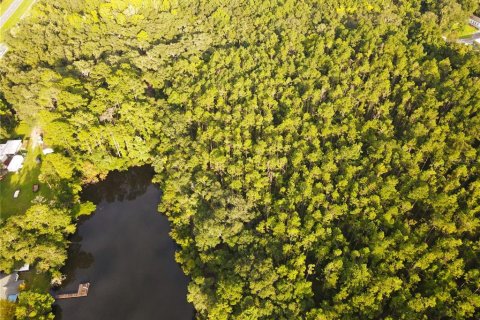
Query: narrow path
{"type": "Point", "coordinates": [470, 39]}
{"type": "Point", "coordinates": [9, 12]}
{"type": "Point", "coordinates": [34, 137]}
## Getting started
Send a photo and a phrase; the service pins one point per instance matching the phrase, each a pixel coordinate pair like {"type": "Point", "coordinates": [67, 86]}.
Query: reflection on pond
{"type": "Point", "coordinates": [120, 186]}
{"type": "Point", "coordinates": [76, 259]}
{"type": "Point", "coordinates": [125, 252]}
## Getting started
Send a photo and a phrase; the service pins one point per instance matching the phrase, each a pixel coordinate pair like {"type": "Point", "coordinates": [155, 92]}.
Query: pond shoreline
{"type": "Point", "coordinates": [124, 250]}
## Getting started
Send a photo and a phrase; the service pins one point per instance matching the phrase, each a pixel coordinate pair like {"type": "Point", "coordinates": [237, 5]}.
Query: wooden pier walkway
{"type": "Point", "coordinates": [82, 292]}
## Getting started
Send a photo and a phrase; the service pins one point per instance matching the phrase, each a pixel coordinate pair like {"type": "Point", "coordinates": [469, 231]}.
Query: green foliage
{"type": "Point", "coordinates": [7, 117]}
{"type": "Point", "coordinates": [38, 237]}
{"type": "Point", "coordinates": [21, 11]}
{"type": "Point", "coordinates": [34, 305]}
{"type": "Point", "coordinates": [84, 209]}
{"type": "Point", "coordinates": [319, 159]}
{"type": "Point", "coordinates": [7, 310]}
{"type": "Point", "coordinates": [24, 181]}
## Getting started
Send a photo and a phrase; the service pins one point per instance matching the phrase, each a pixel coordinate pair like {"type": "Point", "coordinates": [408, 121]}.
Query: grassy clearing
{"type": "Point", "coordinates": [23, 130]}
{"type": "Point", "coordinates": [467, 31]}
{"type": "Point", "coordinates": [23, 181]}
{"type": "Point", "coordinates": [34, 280]}
{"type": "Point", "coordinates": [14, 18]}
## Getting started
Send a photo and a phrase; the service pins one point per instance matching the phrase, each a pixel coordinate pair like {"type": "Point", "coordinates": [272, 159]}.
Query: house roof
{"type": "Point", "coordinates": [11, 147]}
{"type": "Point", "coordinates": [15, 164]}
{"type": "Point", "coordinates": [25, 267]}
{"type": "Point", "coordinates": [3, 156]}
{"type": "Point", "coordinates": [6, 278]}
{"type": "Point", "coordinates": [47, 151]}
{"type": "Point", "coordinates": [9, 284]}
{"type": "Point", "coordinates": [475, 18]}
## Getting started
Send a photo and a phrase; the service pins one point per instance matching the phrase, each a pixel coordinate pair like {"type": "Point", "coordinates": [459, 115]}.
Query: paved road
{"type": "Point", "coordinates": [10, 10]}
{"type": "Point", "coordinates": [3, 49]}
{"type": "Point", "coordinates": [470, 40]}
{"type": "Point", "coordinates": [34, 137]}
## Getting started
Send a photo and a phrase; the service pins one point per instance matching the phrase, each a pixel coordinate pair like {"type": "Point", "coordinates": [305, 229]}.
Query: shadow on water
{"type": "Point", "coordinates": [77, 258]}
{"type": "Point", "coordinates": [124, 250]}
{"type": "Point", "coordinates": [120, 185]}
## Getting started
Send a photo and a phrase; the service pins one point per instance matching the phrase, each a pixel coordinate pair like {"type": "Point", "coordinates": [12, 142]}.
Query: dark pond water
{"type": "Point", "coordinates": [125, 252]}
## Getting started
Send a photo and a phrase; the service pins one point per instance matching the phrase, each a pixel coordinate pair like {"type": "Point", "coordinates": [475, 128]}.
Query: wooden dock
{"type": "Point", "coordinates": [82, 292]}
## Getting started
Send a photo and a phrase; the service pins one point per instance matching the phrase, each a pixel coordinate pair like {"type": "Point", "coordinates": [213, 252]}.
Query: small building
{"type": "Point", "coordinates": [25, 267]}
{"type": "Point", "coordinates": [3, 156]}
{"type": "Point", "coordinates": [16, 163]}
{"type": "Point", "coordinates": [12, 147]}
{"type": "Point", "coordinates": [474, 21]}
{"type": "Point", "coordinates": [9, 286]}
{"type": "Point", "coordinates": [47, 151]}
{"type": "Point", "coordinates": [8, 150]}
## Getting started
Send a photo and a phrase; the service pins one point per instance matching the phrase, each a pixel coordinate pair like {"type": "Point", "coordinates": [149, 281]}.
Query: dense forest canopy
{"type": "Point", "coordinates": [319, 158]}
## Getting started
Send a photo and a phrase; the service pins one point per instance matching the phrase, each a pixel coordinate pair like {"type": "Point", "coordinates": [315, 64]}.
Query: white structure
{"type": "Point", "coordinates": [3, 156]}
{"type": "Point", "coordinates": [9, 284]}
{"type": "Point", "coordinates": [477, 41]}
{"type": "Point", "coordinates": [47, 151]}
{"type": "Point", "coordinates": [11, 147]}
{"type": "Point", "coordinates": [474, 21]}
{"type": "Point", "coordinates": [25, 267]}
{"type": "Point", "coordinates": [15, 164]}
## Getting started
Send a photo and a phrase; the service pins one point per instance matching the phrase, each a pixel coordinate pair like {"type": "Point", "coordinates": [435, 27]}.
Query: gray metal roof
{"type": "Point", "coordinates": [9, 284]}
{"type": "Point", "coordinates": [475, 18]}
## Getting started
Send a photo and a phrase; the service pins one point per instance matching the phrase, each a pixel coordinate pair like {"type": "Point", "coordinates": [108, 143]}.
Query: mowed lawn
{"type": "Point", "coordinates": [467, 31]}
{"type": "Point", "coordinates": [23, 180]}
{"type": "Point", "coordinates": [34, 280]}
